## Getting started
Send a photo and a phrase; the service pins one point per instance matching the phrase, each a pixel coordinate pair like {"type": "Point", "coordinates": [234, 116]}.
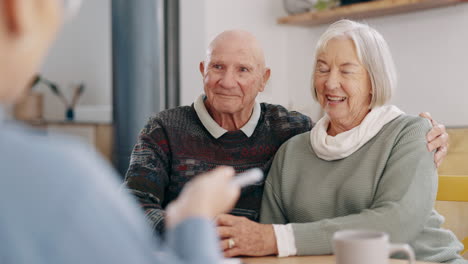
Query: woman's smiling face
{"type": "Point", "coordinates": [342, 84]}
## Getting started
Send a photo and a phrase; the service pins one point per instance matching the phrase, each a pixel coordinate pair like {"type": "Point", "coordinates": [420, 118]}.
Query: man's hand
{"type": "Point", "coordinates": [249, 238]}
{"type": "Point", "coordinates": [437, 139]}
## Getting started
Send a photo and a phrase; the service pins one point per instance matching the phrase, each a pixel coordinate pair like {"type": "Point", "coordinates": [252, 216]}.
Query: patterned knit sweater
{"type": "Point", "coordinates": [174, 147]}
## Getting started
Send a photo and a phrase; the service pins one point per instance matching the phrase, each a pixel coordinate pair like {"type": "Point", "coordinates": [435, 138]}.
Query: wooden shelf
{"type": "Point", "coordinates": [364, 10]}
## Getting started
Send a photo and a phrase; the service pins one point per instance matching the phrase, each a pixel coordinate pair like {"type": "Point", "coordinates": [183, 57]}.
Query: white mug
{"type": "Point", "coordinates": [366, 247]}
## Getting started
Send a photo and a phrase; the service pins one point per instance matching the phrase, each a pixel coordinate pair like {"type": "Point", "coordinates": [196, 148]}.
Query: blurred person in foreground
{"type": "Point", "coordinates": [60, 201]}
{"type": "Point", "coordinates": [364, 165]}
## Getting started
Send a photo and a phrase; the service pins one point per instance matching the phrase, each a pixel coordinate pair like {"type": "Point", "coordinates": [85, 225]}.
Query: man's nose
{"type": "Point", "coordinates": [228, 80]}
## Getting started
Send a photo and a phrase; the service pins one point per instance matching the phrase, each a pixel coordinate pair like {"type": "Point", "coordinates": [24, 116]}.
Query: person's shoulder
{"type": "Point", "coordinates": [170, 117]}
{"type": "Point", "coordinates": [413, 121]}
{"type": "Point", "coordinates": [55, 179]}
{"type": "Point", "coordinates": [280, 115]}
{"type": "Point", "coordinates": [176, 111]}
{"type": "Point", "coordinates": [297, 142]}
{"type": "Point", "coordinates": [30, 140]}
{"type": "Point", "coordinates": [277, 110]}
{"type": "Point", "coordinates": [300, 138]}
{"type": "Point", "coordinates": [71, 151]}
{"type": "Point", "coordinates": [410, 125]}
{"type": "Point", "coordinates": [51, 157]}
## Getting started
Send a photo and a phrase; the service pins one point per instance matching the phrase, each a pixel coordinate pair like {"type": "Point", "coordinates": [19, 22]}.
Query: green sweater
{"type": "Point", "coordinates": [389, 184]}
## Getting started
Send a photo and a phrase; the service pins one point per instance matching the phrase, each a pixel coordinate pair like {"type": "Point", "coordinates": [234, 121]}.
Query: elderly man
{"type": "Point", "coordinates": [60, 201]}
{"type": "Point", "coordinates": [226, 126]}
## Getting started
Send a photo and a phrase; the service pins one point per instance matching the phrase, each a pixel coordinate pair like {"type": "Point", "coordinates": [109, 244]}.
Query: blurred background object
{"type": "Point", "coordinates": [55, 89]}
{"type": "Point", "coordinates": [145, 66]}
{"type": "Point", "coordinates": [52, 86]}
{"type": "Point", "coordinates": [29, 108]}
{"type": "Point", "coordinates": [298, 6]}
{"type": "Point", "coordinates": [302, 6]}
{"type": "Point", "coordinates": [349, 2]}
{"type": "Point", "coordinates": [325, 4]}
{"type": "Point", "coordinates": [70, 110]}
{"type": "Point", "coordinates": [93, 113]}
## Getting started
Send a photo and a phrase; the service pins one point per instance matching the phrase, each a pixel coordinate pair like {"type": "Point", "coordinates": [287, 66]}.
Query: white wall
{"type": "Point", "coordinates": [430, 49]}
{"type": "Point", "coordinates": [203, 20]}
{"type": "Point", "coordinates": [193, 42]}
{"type": "Point", "coordinates": [431, 53]}
{"type": "Point", "coordinates": [81, 53]}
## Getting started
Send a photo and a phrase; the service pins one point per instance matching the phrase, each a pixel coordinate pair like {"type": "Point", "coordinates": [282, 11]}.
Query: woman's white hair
{"type": "Point", "coordinates": [373, 52]}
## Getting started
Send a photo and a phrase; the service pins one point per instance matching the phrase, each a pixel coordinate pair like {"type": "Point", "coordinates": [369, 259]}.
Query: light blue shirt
{"type": "Point", "coordinates": [60, 203]}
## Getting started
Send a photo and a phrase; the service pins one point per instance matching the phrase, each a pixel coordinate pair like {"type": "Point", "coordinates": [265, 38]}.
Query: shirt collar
{"type": "Point", "coordinates": [215, 129]}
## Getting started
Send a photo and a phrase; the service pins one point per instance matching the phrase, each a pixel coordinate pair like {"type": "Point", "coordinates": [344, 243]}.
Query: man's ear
{"type": "Point", "coordinates": [202, 68]}
{"type": "Point", "coordinates": [266, 77]}
{"type": "Point", "coordinates": [10, 16]}
{"type": "Point", "coordinates": [19, 15]}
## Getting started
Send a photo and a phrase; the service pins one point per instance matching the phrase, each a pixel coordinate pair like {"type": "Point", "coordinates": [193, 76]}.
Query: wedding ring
{"type": "Point", "coordinates": [231, 243]}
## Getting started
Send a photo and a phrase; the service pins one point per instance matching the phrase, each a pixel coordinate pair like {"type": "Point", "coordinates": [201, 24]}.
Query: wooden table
{"type": "Point", "coordinates": [307, 260]}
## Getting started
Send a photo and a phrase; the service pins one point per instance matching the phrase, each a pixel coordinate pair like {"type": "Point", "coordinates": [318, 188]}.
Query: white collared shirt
{"type": "Point", "coordinates": [285, 240]}
{"type": "Point", "coordinates": [214, 128]}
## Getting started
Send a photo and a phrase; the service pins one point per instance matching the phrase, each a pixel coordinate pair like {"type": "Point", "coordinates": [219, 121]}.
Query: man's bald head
{"type": "Point", "coordinates": [233, 73]}
{"type": "Point", "coordinates": [240, 40]}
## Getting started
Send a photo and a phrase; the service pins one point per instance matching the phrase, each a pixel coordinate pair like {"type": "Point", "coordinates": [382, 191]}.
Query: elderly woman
{"type": "Point", "coordinates": [364, 165]}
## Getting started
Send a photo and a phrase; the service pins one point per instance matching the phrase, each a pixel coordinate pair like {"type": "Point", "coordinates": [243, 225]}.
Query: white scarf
{"type": "Point", "coordinates": [344, 144]}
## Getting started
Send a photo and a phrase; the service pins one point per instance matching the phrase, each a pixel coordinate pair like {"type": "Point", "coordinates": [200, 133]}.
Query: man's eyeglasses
{"type": "Point", "coordinates": [70, 8]}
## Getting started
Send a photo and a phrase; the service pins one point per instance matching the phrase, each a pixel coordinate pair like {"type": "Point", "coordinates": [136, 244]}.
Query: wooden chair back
{"type": "Point", "coordinates": [452, 203]}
